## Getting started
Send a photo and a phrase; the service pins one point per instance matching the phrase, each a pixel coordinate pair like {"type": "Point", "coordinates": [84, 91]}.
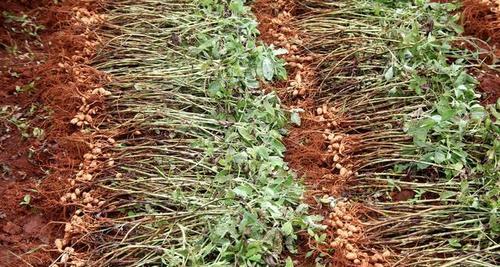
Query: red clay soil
{"type": "Point", "coordinates": [41, 76]}
{"type": "Point", "coordinates": [482, 19]}
{"type": "Point", "coordinates": [489, 85]}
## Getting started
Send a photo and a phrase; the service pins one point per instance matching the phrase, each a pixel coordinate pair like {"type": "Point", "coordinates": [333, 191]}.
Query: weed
{"type": "Point", "coordinates": [14, 115]}
{"type": "Point", "coordinates": [22, 23]}
{"type": "Point", "coordinates": [26, 200]}
{"type": "Point", "coordinates": [28, 88]}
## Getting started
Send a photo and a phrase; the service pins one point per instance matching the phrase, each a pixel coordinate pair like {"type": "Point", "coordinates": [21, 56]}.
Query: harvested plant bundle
{"type": "Point", "coordinates": [403, 124]}
{"type": "Point", "coordinates": [189, 156]}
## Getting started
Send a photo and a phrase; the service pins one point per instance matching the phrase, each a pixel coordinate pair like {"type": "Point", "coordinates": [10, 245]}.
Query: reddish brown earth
{"type": "Point", "coordinates": [40, 77]}
{"type": "Point", "coordinates": [482, 19]}
{"type": "Point", "coordinates": [489, 85]}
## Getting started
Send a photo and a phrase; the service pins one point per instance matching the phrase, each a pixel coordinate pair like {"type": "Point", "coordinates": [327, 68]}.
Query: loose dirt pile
{"type": "Point", "coordinates": [482, 19]}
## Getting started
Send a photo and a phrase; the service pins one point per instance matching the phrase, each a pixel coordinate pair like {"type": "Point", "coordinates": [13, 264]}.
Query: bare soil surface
{"type": "Point", "coordinates": [42, 58]}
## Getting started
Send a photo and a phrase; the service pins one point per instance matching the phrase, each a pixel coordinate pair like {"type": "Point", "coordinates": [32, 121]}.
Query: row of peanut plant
{"type": "Point", "coordinates": [397, 75]}
{"type": "Point", "coordinates": [198, 177]}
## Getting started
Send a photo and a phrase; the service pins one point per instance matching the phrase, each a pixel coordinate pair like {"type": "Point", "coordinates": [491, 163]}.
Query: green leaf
{"type": "Point", "coordinates": [478, 113]}
{"type": "Point", "coordinates": [38, 133]}
{"type": "Point", "coordinates": [237, 7]}
{"type": "Point", "coordinates": [309, 254]}
{"type": "Point", "coordinates": [321, 238]}
{"type": "Point", "coordinates": [419, 134]}
{"type": "Point", "coordinates": [255, 258]}
{"type": "Point", "coordinates": [26, 200]}
{"type": "Point", "coordinates": [454, 243]}
{"type": "Point", "coordinates": [444, 109]}
{"type": "Point", "coordinates": [494, 221]}
{"type": "Point", "coordinates": [457, 166]}
{"type": "Point", "coordinates": [314, 218]}
{"type": "Point", "coordinates": [131, 213]}
{"type": "Point", "coordinates": [389, 74]}
{"type": "Point", "coordinates": [252, 83]}
{"type": "Point", "coordinates": [457, 28]}
{"type": "Point", "coordinates": [240, 158]}
{"type": "Point", "coordinates": [446, 195]}
{"type": "Point", "coordinates": [287, 228]}
{"type": "Point", "coordinates": [439, 157]}
{"type": "Point", "coordinates": [436, 118]}
{"type": "Point", "coordinates": [254, 251]}
{"type": "Point", "coordinates": [288, 262]}
{"type": "Point", "coordinates": [268, 68]}
{"type": "Point", "coordinates": [245, 133]}
{"type": "Point", "coordinates": [215, 88]}
{"type": "Point", "coordinates": [272, 209]}
{"type": "Point", "coordinates": [243, 191]}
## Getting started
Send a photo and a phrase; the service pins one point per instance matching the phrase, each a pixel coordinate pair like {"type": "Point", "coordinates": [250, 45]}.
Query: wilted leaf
{"type": "Point", "coordinates": [279, 52]}
{"type": "Point", "coordinates": [295, 118]}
